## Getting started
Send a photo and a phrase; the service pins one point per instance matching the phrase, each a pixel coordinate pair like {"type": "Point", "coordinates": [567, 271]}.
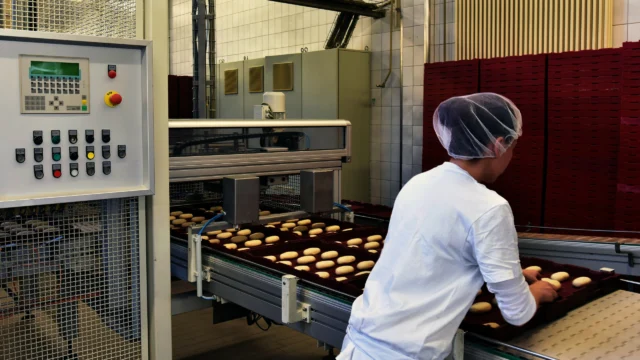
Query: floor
{"type": "Point", "coordinates": [195, 337]}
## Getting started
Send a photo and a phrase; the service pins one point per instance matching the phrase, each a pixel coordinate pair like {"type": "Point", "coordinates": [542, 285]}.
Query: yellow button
{"type": "Point", "coordinates": [84, 102]}
{"type": "Point", "coordinates": [90, 156]}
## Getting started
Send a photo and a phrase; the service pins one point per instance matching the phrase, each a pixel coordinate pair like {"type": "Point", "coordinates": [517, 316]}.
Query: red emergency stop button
{"type": "Point", "coordinates": [112, 99]}
{"type": "Point", "coordinates": [112, 74]}
{"type": "Point", "coordinates": [57, 174]}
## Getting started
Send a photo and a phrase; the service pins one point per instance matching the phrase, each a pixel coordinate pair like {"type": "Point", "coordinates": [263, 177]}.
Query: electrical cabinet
{"type": "Point", "coordinates": [254, 85]}
{"type": "Point", "coordinates": [230, 91]}
{"type": "Point", "coordinates": [283, 73]}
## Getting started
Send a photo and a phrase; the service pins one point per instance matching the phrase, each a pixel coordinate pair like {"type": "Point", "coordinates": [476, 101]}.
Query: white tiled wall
{"type": "Point", "coordinates": [626, 21]}
{"type": "Point", "coordinates": [258, 28]}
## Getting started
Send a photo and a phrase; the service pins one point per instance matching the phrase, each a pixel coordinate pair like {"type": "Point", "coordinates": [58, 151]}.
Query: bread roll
{"type": "Point", "coordinates": [284, 229]}
{"type": "Point", "coordinates": [186, 216]}
{"type": "Point", "coordinates": [231, 246]}
{"type": "Point", "coordinates": [293, 221]}
{"type": "Point", "coordinates": [354, 246]}
{"type": "Point", "coordinates": [315, 231]}
{"type": "Point", "coordinates": [480, 308]}
{"type": "Point", "coordinates": [325, 264]}
{"type": "Point", "coordinates": [329, 255]}
{"type": "Point", "coordinates": [197, 218]}
{"type": "Point", "coordinates": [374, 238]}
{"type": "Point", "coordinates": [204, 238]}
{"type": "Point", "coordinates": [245, 232]}
{"type": "Point", "coordinates": [304, 222]}
{"type": "Point", "coordinates": [285, 262]}
{"type": "Point", "coordinates": [275, 223]}
{"type": "Point", "coordinates": [288, 255]}
{"type": "Point", "coordinates": [365, 265]}
{"type": "Point", "coordinates": [232, 230]}
{"type": "Point", "coordinates": [312, 236]}
{"type": "Point", "coordinates": [171, 218]}
{"type": "Point", "coordinates": [306, 259]}
{"type": "Point", "coordinates": [372, 245]}
{"type": "Point", "coordinates": [492, 325]}
{"type": "Point", "coordinates": [187, 224]}
{"type": "Point", "coordinates": [346, 259]}
{"type": "Point", "coordinates": [373, 251]}
{"type": "Point", "coordinates": [239, 239]}
{"type": "Point", "coordinates": [270, 257]}
{"type": "Point", "coordinates": [264, 213]}
{"type": "Point", "coordinates": [312, 251]}
{"type": "Point", "coordinates": [343, 270]}
{"type": "Point", "coordinates": [333, 228]}
{"type": "Point", "coordinates": [323, 274]}
{"type": "Point", "coordinates": [214, 233]}
{"type": "Point", "coordinates": [297, 233]}
{"type": "Point", "coordinates": [302, 268]}
{"type": "Point", "coordinates": [554, 283]}
{"type": "Point", "coordinates": [216, 208]}
{"type": "Point", "coordinates": [256, 236]}
{"type": "Point", "coordinates": [270, 226]}
{"type": "Point", "coordinates": [537, 268]}
{"type": "Point", "coordinates": [243, 249]}
{"type": "Point", "coordinates": [214, 241]}
{"type": "Point", "coordinates": [319, 225]}
{"type": "Point", "coordinates": [560, 276]}
{"type": "Point", "coordinates": [341, 278]}
{"type": "Point", "coordinates": [356, 241]}
{"type": "Point", "coordinates": [300, 228]}
{"type": "Point", "coordinates": [253, 243]}
{"type": "Point", "coordinates": [176, 213]}
{"type": "Point", "coordinates": [288, 225]}
{"type": "Point", "coordinates": [272, 239]}
{"type": "Point", "coordinates": [581, 281]}
{"type": "Point", "coordinates": [363, 273]}
{"type": "Point", "coordinates": [178, 221]}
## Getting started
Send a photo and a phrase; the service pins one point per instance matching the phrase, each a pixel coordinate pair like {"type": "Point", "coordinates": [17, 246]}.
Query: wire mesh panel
{"type": "Point", "coordinates": [110, 18]}
{"type": "Point", "coordinates": [70, 281]}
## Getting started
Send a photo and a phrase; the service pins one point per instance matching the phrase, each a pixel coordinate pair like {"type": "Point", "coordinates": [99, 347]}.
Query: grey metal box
{"type": "Point", "coordinates": [241, 199]}
{"type": "Point", "coordinates": [316, 191]}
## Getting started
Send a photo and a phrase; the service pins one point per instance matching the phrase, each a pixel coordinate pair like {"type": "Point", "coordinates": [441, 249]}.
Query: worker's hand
{"type": "Point", "coordinates": [531, 275]}
{"type": "Point", "coordinates": [543, 292]}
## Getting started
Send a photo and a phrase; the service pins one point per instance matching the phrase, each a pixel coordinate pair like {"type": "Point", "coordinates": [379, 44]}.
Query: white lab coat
{"type": "Point", "coordinates": [448, 234]}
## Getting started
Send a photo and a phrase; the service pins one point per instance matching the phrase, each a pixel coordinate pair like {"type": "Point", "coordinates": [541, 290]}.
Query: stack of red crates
{"type": "Point", "coordinates": [583, 122]}
{"type": "Point", "coordinates": [627, 209]}
{"type": "Point", "coordinates": [442, 81]}
{"type": "Point", "coordinates": [522, 80]}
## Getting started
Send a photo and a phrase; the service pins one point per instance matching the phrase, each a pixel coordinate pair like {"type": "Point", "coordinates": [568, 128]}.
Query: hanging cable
{"type": "Point", "coordinates": [343, 207]}
{"type": "Point", "coordinates": [210, 221]}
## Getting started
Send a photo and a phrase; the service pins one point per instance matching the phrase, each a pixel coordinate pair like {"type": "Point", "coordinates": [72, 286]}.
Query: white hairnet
{"type": "Point", "coordinates": [468, 125]}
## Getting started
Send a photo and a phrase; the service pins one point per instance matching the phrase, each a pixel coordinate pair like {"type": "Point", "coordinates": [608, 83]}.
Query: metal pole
{"type": "Point", "coordinates": [202, 59]}
{"type": "Point", "coordinates": [194, 51]}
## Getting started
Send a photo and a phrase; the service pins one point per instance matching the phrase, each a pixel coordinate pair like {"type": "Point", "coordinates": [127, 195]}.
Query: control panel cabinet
{"type": "Point", "coordinates": [76, 119]}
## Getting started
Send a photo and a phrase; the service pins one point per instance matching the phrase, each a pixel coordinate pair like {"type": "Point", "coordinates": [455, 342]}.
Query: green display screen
{"type": "Point", "coordinates": [46, 68]}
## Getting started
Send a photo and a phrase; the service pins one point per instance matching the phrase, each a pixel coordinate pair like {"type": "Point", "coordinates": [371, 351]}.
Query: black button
{"type": "Point", "coordinates": [106, 151]}
{"type": "Point", "coordinates": [88, 134]}
{"type": "Point", "coordinates": [106, 135]}
{"type": "Point", "coordinates": [73, 136]}
{"type": "Point", "coordinates": [38, 171]}
{"type": "Point", "coordinates": [122, 151]}
{"type": "Point", "coordinates": [73, 153]}
{"type": "Point", "coordinates": [20, 155]}
{"type": "Point", "coordinates": [91, 168]}
{"type": "Point", "coordinates": [106, 167]}
{"type": "Point", "coordinates": [38, 154]}
{"type": "Point", "coordinates": [37, 137]}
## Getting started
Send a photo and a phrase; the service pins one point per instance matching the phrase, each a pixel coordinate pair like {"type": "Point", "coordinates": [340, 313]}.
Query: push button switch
{"type": "Point", "coordinates": [88, 135]}
{"type": "Point", "coordinates": [90, 153]}
{"type": "Point", "coordinates": [106, 167]}
{"type": "Point", "coordinates": [57, 170]}
{"type": "Point", "coordinates": [38, 154]}
{"type": "Point", "coordinates": [106, 151]}
{"type": "Point", "coordinates": [37, 137]}
{"type": "Point", "coordinates": [73, 136]}
{"type": "Point", "coordinates": [106, 136]}
{"type": "Point", "coordinates": [56, 154]}
{"type": "Point", "coordinates": [38, 171]}
{"type": "Point", "coordinates": [55, 136]}
{"type": "Point", "coordinates": [122, 151]}
{"type": "Point", "coordinates": [91, 168]}
{"type": "Point", "coordinates": [20, 155]}
{"type": "Point", "coordinates": [73, 153]}
{"type": "Point", "coordinates": [73, 169]}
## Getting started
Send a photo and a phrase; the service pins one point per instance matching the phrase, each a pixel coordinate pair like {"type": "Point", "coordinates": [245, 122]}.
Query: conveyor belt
{"type": "Point", "coordinates": [607, 328]}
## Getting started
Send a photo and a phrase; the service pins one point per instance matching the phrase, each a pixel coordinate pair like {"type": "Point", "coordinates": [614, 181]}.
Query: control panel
{"type": "Point", "coordinates": [76, 121]}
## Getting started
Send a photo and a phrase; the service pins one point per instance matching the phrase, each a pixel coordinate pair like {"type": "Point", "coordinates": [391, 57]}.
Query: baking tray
{"type": "Point", "coordinates": [569, 298]}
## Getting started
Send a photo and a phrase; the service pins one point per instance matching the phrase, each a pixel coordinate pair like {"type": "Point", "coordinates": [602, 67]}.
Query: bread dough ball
{"type": "Point", "coordinates": [480, 308]}
{"type": "Point", "coordinates": [537, 268]}
{"type": "Point", "coordinates": [253, 243]}
{"type": "Point", "coordinates": [300, 228]}
{"type": "Point", "coordinates": [239, 239]}
{"type": "Point", "coordinates": [365, 265]}
{"type": "Point", "coordinates": [581, 281]}
{"type": "Point", "coordinates": [214, 241]}
{"type": "Point", "coordinates": [329, 255]}
{"type": "Point", "coordinates": [274, 223]}
{"type": "Point", "coordinates": [297, 233]}
{"type": "Point", "coordinates": [171, 218]}
{"type": "Point", "coordinates": [288, 225]}
{"type": "Point", "coordinates": [178, 221]}
{"type": "Point", "coordinates": [214, 233]}
{"type": "Point", "coordinates": [373, 251]}
{"type": "Point", "coordinates": [302, 268]}
{"type": "Point", "coordinates": [346, 259]}
{"type": "Point", "coordinates": [272, 239]}
{"type": "Point", "coordinates": [256, 236]}
{"type": "Point", "coordinates": [186, 216]}
{"type": "Point", "coordinates": [306, 259]}
{"type": "Point", "coordinates": [333, 228]}
{"type": "Point", "coordinates": [224, 235]}
{"type": "Point", "coordinates": [304, 222]}
{"type": "Point", "coordinates": [264, 213]}
{"type": "Point", "coordinates": [325, 264]}
{"type": "Point", "coordinates": [319, 225]}
{"type": "Point", "coordinates": [231, 246]}
{"type": "Point", "coordinates": [315, 231]}
{"type": "Point", "coordinates": [554, 283]}
{"type": "Point", "coordinates": [292, 221]}
{"type": "Point", "coordinates": [176, 213]}
{"type": "Point", "coordinates": [372, 245]}
{"type": "Point", "coordinates": [560, 276]}
{"type": "Point", "coordinates": [492, 325]}
{"type": "Point", "coordinates": [312, 251]}
{"type": "Point", "coordinates": [232, 230]}
{"type": "Point", "coordinates": [323, 274]}
{"type": "Point", "coordinates": [243, 249]}
{"type": "Point", "coordinates": [363, 273]}
{"type": "Point", "coordinates": [270, 257]}
{"type": "Point", "coordinates": [187, 224]}
{"type": "Point", "coordinates": [341, 278]}
{"type": "Point", "coordinates": [270, 226]}
{"type": "Point", "coordinates": [288, 255]}
{"type": "Point", "coordinates": [197, 219]}
{"type": "Point", "coordinates": [244, 232]}
{"type": "Point", "coordinates": [343, 270]}
{"type": "Point", "coordinates": [285, 262]}
{"type": "Point", "coordinates": [356, 241]}
{"type": "Point", "coordinates": [374, 238]}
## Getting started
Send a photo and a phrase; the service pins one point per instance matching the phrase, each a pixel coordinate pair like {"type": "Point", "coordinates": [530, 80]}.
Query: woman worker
{"type": "Point", "coordinates": [448, 235]}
